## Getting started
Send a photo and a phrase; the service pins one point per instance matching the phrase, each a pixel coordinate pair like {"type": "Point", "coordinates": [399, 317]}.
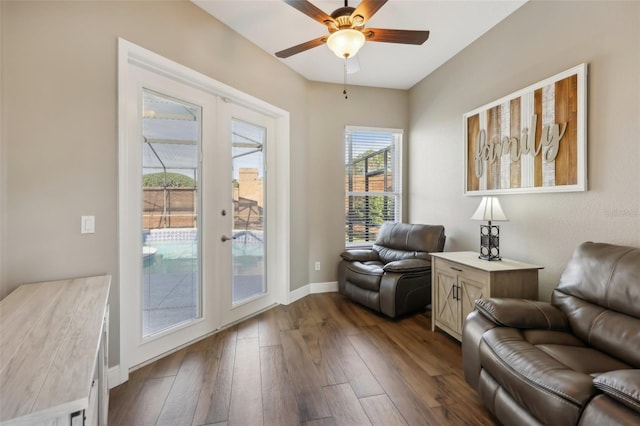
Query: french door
{"type": "Point", "coordinates": [248, 135]}
{"type": "Point", "coordinates": [170, 250]}
{"type": "Point", "coordinates": [194, 222]}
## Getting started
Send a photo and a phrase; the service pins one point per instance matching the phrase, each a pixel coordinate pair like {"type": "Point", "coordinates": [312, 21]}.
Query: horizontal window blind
{"type": "Point", "coordinates": [372, 182]}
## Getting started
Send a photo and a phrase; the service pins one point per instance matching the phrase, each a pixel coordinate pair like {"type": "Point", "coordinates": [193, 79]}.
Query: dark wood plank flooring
{"type": "Point", "coordinates": [322, 360]}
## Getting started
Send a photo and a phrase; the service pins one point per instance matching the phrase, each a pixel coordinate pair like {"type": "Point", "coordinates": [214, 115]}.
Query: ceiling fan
{"type": "Point", "coordinates": [347, 32]}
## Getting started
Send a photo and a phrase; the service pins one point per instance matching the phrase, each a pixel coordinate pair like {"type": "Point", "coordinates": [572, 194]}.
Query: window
{"type": "Point", "coordinates": [372, 181]}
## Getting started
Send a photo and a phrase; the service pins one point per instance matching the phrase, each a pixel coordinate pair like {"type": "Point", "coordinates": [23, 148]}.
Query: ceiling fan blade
{"type": "Point", "coordinates": [367, 8]}
{"type": "Point", "coordinates": [396, 36]}
{"type": "Point", "coordinates": [301, 47]}
{"type": "Point", "coordinates": [310, 10]}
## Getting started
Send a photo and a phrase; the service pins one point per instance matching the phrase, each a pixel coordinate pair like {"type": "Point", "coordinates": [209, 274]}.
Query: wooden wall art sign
{"type": "Point", "coordinates": [533, 140]}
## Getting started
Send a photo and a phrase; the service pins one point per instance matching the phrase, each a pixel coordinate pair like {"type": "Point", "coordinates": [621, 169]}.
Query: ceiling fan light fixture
{"type": "Point", "coordinates": [358, 20]}
{"type": "Point", "coordinates": [346, 43]}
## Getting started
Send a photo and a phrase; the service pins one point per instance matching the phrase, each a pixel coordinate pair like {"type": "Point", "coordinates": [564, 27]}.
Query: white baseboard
{"type": "Point", "coordinates": [113, 376]}
{"type": "Point", "coordinates": [312, 288]}
{"type": "Point", "coordinates": [329, 287]}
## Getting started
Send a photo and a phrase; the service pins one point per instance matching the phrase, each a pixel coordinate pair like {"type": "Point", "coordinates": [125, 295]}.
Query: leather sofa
{"type": "Point", "coordinates": [394, 276]}
{"type": "Point", "coordinates": [571, 361]}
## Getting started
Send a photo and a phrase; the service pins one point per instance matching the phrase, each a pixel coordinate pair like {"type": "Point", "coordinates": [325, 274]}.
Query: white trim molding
{"type": "Point", "coordinates": [113, 376]}
{"type": "Point", "coordinates": [313, 288]}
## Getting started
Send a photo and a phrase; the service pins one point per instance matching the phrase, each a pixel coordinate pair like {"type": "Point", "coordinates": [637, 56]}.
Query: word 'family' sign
{"type": "Point", "coordinates": [531, 141]}
{"type": "Point", "coordinates": [510, 145]}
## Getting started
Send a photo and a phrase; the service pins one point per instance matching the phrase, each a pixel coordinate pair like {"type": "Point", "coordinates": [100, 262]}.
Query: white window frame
{"type": "Point", "coordinates": [397, 173]}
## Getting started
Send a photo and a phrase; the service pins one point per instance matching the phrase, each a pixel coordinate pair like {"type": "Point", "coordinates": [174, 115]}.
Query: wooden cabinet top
{"type": "Point", "coordinates": [470, 258]}
{"type": "Point", "coordinates": [49, 338]}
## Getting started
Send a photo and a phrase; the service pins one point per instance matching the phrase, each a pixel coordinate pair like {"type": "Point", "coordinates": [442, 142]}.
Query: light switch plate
{"type": "Point", "coordinates": [88, 224]}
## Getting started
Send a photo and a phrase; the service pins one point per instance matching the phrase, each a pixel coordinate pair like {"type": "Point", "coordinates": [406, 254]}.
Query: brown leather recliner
{"type": "Point", "coordinates": [394, 276]}
{"type": "Point", "coordinates": [572, 361]}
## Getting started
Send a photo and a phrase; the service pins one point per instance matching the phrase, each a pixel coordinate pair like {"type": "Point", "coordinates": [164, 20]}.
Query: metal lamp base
{"type": "Point", "coordinates": [490, 242]}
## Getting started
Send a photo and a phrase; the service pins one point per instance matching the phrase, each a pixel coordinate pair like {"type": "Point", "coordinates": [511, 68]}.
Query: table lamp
{"type": "Point", "coordinates": [489, 210]}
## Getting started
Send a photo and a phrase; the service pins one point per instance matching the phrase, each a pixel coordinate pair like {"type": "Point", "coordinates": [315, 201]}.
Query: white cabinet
{"type": "Point", "coordinates": [458, 279]}
{"type": "Point", "coordinates": [53, 349]}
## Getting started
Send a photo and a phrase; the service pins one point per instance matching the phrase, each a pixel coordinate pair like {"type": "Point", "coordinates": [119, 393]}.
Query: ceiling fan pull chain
{"type": "Point", "coordinates": [344, 91]}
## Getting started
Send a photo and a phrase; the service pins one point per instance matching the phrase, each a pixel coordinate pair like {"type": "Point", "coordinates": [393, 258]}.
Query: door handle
{"type": "Point", "coordinates": [224, 238]}
{"type": "Point", "coordinates": [455, 292]}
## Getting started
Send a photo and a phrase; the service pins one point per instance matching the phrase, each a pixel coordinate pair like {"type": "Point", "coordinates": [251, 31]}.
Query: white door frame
{"type": "Point", "coordinates": [279, 174]}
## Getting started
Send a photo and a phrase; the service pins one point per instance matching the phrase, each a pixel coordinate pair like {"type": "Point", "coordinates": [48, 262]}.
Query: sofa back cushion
{"type": "Point", "coordinates": [398, 241]}
{"type": "Point", "coordinates": [599, 292]}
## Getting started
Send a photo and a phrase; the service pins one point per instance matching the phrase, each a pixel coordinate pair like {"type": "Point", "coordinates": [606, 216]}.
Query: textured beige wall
{"type": "Point", "coordinates": [329, 114]}
{"type": "Point", "coordinates": [537, 41]}
{"type": "Point", "coordinates": [60, 66]}
{"type": "Point", "coordinates": [59, 92]}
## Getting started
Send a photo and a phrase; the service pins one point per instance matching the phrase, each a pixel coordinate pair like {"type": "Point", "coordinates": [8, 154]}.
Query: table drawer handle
{"type": "Point", "coordinates": [455, 269]}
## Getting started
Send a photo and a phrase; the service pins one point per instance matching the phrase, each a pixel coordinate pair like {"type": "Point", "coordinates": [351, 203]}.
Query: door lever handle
{"type": "Point", "coordinates": [224, 238]}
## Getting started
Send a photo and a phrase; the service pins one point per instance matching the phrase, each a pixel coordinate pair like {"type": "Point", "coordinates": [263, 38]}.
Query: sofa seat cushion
{"type": "Point", "coordinates": [366, 275]}
{"type": "Point", "coordinates": [550, 337]}
{"type": "Point", "coordinates": [583, 359]}
{"type": "Point", "coordinates": [552, 381]}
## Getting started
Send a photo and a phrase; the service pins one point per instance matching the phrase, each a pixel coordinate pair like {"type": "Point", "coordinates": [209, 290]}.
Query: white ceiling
{"type": "Point", "coordinates": [453, 24]}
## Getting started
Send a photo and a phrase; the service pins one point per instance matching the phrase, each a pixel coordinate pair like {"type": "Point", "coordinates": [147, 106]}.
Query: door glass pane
{"type": "Point", "coordinates": [171, 207]}
{"type": "Point", "coordinates": [248, 252]}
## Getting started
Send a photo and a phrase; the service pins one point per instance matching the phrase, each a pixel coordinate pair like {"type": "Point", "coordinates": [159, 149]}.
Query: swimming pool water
{"type": "Point", "coordinates": [177, 250]}
{"type": "Point", "coordinates": [189, 250]}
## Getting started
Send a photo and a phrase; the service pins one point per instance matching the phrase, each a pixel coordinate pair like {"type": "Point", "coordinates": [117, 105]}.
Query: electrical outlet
{"type": "Point", "coordinates": [317, 266]}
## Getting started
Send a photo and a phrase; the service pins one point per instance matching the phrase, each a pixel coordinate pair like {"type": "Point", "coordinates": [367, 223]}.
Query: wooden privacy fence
{"type": "Point", "coordinates": [169, 208]}
{"type": "Point", "coordinates": [175, 208]}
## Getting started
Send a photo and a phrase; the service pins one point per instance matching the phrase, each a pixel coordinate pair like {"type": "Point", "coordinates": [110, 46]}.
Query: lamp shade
{"type": "Point", "coordinates": [490, 210]}
{"type": "Point", "coordinates": [346, 43]}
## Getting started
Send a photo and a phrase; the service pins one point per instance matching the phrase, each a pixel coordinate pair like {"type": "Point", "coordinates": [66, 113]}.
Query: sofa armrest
{"type": "Point", "coordinates": [362, 255]}
{"type": "Point", "coordinates": [521, 313]}
{"type": "Point", "coordinates": [621, 385]}
{"type": "Point", "coordinates": [408, 265]}
{"type": "Point", "coordinates": [474, 327]}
